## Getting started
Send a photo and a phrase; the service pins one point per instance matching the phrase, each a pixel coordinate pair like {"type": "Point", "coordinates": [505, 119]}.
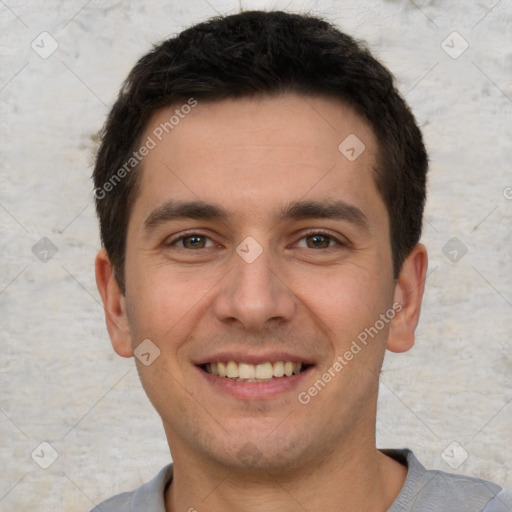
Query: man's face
{"type": "Point", "coordinates": [275, 280]}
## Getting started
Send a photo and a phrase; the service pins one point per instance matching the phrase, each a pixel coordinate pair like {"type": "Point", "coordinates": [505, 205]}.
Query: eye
{"type": "Point", "coordinates": [311, 240]}
{"type": "Point", "coordinates": [192, 241]}
{"type": "Point", "coordinates": [319, 240]}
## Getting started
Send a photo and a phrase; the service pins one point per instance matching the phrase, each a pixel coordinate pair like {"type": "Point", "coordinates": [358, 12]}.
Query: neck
{"type": "Point", "coordinates": [360, 478]}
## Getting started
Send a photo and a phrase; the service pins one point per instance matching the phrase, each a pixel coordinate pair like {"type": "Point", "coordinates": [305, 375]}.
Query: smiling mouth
{"type": "Point", "coordinates": [245, 372]}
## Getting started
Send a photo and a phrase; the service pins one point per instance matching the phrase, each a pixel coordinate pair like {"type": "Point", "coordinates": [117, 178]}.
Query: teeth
{"type": "Point", "coordinates": [232, 370]}
{"type": "Point", "coordinates": [264, 371]}
{"type": "Point", "coordinates": [278, 369]}
{"type": "Point", "coordinates": [254, 373]}
{"type": "Point", "coordinates": [221, 367]}
{"type": "Point", "coordinates": [245, 371]}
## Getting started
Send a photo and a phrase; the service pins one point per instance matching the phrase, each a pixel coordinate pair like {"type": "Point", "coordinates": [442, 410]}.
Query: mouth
{"type": "Point", "coordinates": [252, 373]}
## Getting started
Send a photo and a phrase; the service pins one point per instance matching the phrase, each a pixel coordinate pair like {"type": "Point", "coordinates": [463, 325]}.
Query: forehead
{"type": "Point", "coordinates": [249, 153]}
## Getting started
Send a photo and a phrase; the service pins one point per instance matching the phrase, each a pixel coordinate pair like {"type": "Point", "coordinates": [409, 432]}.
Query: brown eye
{"type": "Point", "coordinates": [193, 241]}
{"type": "Point", "coordinates": [318, 241]}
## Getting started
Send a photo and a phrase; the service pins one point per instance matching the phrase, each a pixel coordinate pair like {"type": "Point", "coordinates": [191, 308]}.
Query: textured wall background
{"type": "Point", "coordinates": [60, 381]}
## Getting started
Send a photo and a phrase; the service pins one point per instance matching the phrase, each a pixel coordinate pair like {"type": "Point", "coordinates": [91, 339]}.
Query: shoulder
{"type": "Point", "coordinates": [117, 503]}
{"type": "Point", "coordinates": [501, 503]}
{"type": "Point", "coordinates": [438, 490]}
{"type": "Point", "coordinates": [149, 495]}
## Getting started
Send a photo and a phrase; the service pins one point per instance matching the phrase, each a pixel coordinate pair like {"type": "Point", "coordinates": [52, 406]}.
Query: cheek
{"type": "Point", "coordinates": [165, 303]}
{"type": "Point", "coordinates": [347, 300]}
{"type": "Point", "coordinates": [150, 299]}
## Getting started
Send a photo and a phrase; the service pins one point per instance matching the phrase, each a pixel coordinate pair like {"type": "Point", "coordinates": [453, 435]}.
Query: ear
{"type": "Point", "coordinates": [409, 294]}
{"type": "Point", "coordinates": [114, 305]}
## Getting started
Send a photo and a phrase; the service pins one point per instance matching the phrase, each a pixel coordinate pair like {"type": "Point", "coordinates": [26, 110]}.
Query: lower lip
{"type": "Point", "coordinates": [255, 390]}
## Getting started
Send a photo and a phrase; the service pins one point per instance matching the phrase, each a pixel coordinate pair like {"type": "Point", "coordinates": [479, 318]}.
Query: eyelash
{"type": "Point", "coordinates": [307, 234]}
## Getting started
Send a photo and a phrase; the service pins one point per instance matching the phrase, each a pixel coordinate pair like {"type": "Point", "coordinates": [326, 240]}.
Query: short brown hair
{"type": "Point", "coordinates": [256, 52]}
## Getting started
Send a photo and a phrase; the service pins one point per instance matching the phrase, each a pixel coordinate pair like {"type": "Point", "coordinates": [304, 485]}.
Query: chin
{"type": "Point", "coordinates": [261, 454]}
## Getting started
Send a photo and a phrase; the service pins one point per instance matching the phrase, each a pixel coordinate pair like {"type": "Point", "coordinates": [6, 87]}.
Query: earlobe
{"type": "Point", "coordinates": [114, 305]}
{"type": "Point", "coordinates": [409, 294]}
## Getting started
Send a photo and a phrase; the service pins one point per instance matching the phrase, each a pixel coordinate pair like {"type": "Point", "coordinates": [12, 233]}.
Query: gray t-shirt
{"type": "Point", "coordinates": [423, 491]}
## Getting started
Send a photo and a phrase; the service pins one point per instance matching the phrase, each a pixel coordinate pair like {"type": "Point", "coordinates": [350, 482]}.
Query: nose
{"type": "Point", "coordinates": [255, 294]}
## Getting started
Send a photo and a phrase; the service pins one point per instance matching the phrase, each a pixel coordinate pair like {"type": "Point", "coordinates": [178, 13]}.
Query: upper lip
{"type": "Point", "coordinates": [254, 358]}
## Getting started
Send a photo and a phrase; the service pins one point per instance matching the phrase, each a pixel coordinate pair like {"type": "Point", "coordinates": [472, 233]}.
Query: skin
{"type": "Point", "coordinates": [253, 156]}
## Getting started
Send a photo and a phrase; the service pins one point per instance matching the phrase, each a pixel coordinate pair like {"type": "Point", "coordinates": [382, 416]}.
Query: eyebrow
{"type": "Point", "coordinates": [297, 210]}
